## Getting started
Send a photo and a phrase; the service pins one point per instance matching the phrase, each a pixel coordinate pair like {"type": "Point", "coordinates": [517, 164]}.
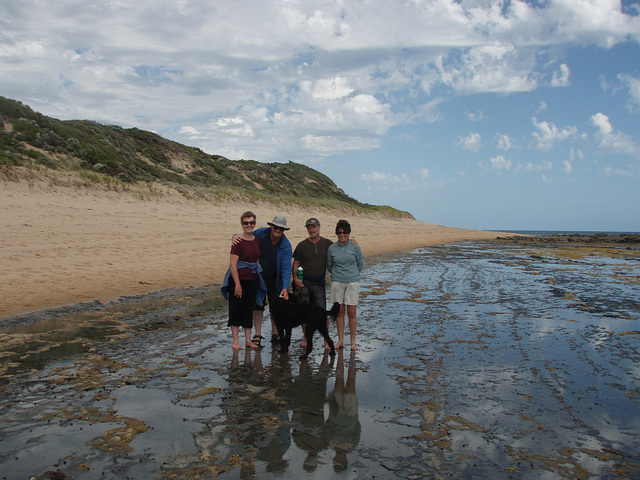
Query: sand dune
{"type": "Point", "coordinates": [62, 243]}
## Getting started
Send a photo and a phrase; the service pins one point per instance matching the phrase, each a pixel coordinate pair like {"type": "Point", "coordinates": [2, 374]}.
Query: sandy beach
{"type": "Point", "coordinates": [65, 242]}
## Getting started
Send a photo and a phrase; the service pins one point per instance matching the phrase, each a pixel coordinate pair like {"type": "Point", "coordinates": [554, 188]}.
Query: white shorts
{"type": "Point", "coordinates": [345, 293]}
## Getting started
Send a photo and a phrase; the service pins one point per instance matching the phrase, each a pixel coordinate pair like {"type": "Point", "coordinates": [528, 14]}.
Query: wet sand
{"type": "Point", "coordinates": [493, 360]}
{"type": "Point", "coordinates": [67, 240]}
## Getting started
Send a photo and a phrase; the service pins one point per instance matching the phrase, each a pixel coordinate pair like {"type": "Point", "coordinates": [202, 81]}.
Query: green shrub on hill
{"type": "Point", "coordinates": [32, 140]}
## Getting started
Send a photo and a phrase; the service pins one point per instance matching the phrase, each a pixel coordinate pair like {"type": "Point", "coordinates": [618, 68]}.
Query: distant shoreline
{"type": "Point", "coordinates": [586, 233]}
{"type": "Point", "coordinates": [584, 238]}
{"type": "Point", "coordinates": [67, 245]}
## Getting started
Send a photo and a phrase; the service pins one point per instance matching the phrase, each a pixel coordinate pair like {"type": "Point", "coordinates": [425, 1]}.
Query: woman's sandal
{"type": "Point", "coordinates": [275, 338]}
{"type": "Point", "coordinates": [257, 339]}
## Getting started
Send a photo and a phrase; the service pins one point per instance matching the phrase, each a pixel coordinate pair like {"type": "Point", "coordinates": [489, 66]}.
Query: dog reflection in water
{"type": "Point", "coordinates": [289, 314]}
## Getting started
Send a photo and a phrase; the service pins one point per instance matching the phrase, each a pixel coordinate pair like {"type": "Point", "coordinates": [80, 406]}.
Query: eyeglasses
{"type": "Point", "coordinates": [342, 233]}
{"type": "Point", "coordinates": [249, 223]}
{"type": "Point", "coordinates": [280, 229]}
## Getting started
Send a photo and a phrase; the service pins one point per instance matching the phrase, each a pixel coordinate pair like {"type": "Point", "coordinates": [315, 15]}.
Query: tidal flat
{"type": "Point", "coordinates": [476, 360]}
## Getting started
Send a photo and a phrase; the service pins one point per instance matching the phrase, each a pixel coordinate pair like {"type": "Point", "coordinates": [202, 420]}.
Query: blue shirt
{"type": "Point", "coordinates": [284, 254]}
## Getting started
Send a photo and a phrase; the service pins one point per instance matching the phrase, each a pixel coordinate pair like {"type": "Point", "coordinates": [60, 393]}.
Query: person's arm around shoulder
{"type": "Point", "coordinates": [261, 233]}
{"type": "Point", "coordinates": [235, 238]}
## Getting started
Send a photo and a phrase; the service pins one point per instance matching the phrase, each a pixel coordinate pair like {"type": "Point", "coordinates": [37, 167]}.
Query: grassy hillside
{"type": "Point", "coordinates": [111, 154]}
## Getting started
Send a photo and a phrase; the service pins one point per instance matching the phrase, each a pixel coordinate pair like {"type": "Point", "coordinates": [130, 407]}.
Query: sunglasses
{"type": "Point", "coordinates": [342, 233]}
{"type": "Point", "coordinates": [249, 223]}
{"type": "Point", "coordinates": [280, 229]}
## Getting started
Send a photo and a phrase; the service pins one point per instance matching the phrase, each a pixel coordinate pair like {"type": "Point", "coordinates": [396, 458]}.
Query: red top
{"type": "Point", "coordinates": [248, 251]}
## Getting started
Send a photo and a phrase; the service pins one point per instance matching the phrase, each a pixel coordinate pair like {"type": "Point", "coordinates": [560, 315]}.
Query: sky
{"type": "Point", "coordinates": [499, 115]}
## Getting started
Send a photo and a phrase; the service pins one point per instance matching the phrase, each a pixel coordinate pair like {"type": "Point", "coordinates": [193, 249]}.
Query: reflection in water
{"type": "Point", "coordinates": [342, 428]}
{"type": "Point", "coordinates": [307, 396]}
{"type": "Point", "coordinates": [265, 408]}
{"type": "Point", "coordinates": [255, 423]}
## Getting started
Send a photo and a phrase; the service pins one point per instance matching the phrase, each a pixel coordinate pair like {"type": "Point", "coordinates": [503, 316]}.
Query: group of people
{"type": "Point", "coordinates": [260, 269]}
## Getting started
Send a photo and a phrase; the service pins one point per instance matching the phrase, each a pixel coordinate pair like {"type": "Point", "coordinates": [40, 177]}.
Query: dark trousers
{"type": "Point", "coordinates": [317, 294]}
{"type": "Point", "coordinates": [241, 309]}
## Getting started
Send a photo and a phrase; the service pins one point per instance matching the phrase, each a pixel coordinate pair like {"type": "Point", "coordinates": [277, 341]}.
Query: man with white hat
{"type": "Point", "coordinates": [275, 260]}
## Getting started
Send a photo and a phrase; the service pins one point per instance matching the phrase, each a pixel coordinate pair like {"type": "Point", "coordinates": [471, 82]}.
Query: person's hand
{"type": "Point", "coordinates": [238, 291]}
{"type": "Point", "coordinates": [353, 241]}
{"type": "Point", "coordinates": [235, 239]}
{"type": "Point", "coordinates": [284, 294]}
{"type": "Point", "coordinates": [298, 283]}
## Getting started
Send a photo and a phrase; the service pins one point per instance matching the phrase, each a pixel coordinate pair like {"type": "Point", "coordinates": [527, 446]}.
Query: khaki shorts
{"type": "Point", "coordinates": [345, 293]}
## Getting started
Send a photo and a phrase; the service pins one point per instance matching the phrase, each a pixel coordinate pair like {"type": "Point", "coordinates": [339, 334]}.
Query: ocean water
{"type": "Point", "coordinates": [476, 360]}
{"type": "Point", "coordinates": [514, 361]}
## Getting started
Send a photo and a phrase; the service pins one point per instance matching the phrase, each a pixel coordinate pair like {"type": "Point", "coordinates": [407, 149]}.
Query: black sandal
{"type": "Point", "coordinates": [275, 338]}
{"type": "Point", "coordinates": [258, 339]}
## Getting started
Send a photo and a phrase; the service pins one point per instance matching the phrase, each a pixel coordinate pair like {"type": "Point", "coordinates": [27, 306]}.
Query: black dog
{"type": "Point", "coordinates": [288, 314]}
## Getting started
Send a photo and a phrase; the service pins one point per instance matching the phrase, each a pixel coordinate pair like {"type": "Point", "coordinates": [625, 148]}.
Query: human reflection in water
{"type": "Point", "coordinates": [307, 394]}
{"type": "Point", "coordinates": [254, 425]}
{"type": "Point", "coordinates": [342, 428]}
{"type": "Point", "coordinates": [276, 440]}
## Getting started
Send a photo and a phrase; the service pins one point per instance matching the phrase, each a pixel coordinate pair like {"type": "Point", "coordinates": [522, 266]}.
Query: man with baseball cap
{"type": "Point", "coordinates": [311, 254]}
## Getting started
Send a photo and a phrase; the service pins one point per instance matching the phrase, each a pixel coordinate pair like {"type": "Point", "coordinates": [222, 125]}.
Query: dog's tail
{"type": "Point", "coordinates": [333, 313]}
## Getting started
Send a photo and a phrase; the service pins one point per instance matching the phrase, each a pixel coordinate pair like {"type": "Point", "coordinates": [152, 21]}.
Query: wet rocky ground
{"type": "Point", "coordinates": [483, 360]}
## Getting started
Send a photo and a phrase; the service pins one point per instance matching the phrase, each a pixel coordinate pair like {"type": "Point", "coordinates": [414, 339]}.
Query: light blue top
{"type": "Point", "coordinates": [345, 263]}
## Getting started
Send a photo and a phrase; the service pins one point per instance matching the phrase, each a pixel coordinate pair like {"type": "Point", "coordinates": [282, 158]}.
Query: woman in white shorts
{"type": "Point", "coordinates": [345, 262]}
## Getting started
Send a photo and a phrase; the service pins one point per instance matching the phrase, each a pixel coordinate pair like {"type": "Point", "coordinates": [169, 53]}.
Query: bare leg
{"type": "Point", "coordinates": [353, 324]}
{"type": "Point", "coordinates": [340, 324]}
{"type": "Point", "coordinates": [257, 321]}
{"type": "Point", "coordinates": [247, 339]}
{"type": "Point", "coordinates": [236, 342]}
{"type": "Point", "coordinates": [303, 343]}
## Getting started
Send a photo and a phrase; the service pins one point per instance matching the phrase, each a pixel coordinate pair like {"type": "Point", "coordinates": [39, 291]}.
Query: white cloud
{"type": "Point", "coordinates": [504, 142]}
{"type": "Point", "coordinates": [498, 67]}
{"type": "Point", "coordinates": [235, 126]}
{"type": "Point", "coordinates": [633, 86]}
{"type": "Point", "coordinates": [189, 131]}
{"type": "Point", "coordinates": [568, 163]}
{"type": "Point", "coordinates": [601, 121]}
{"type": "Point", "coordinates": [530, 167]}
{"type": "Point", "coordinates": [608, 139]}
{"type": "Point", "coordinates": [568, 167]}
{"type": "Point", "coordinates": [561, 76]}
{"type": "Point", "coordinates": [328, 89]}
{"type": "Point", "coordinates": [617, 172]}
{"type": "Point", "coordinates": [374, 176]}
{"type": "Point", "coordinates": [548, 134]}
{"type": "Point", "coordinates": [388, 181]}
{"type": "Point", "coordinates": [474, 116]}
{"type": "Point", "coordinates": [471, 142]}
{"type": "Point", "coordinates": [500, 163]}
{"type": "Point", "coordinates": [316, 79]}
{"type": "Point", "coordinates": [424, 173]}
